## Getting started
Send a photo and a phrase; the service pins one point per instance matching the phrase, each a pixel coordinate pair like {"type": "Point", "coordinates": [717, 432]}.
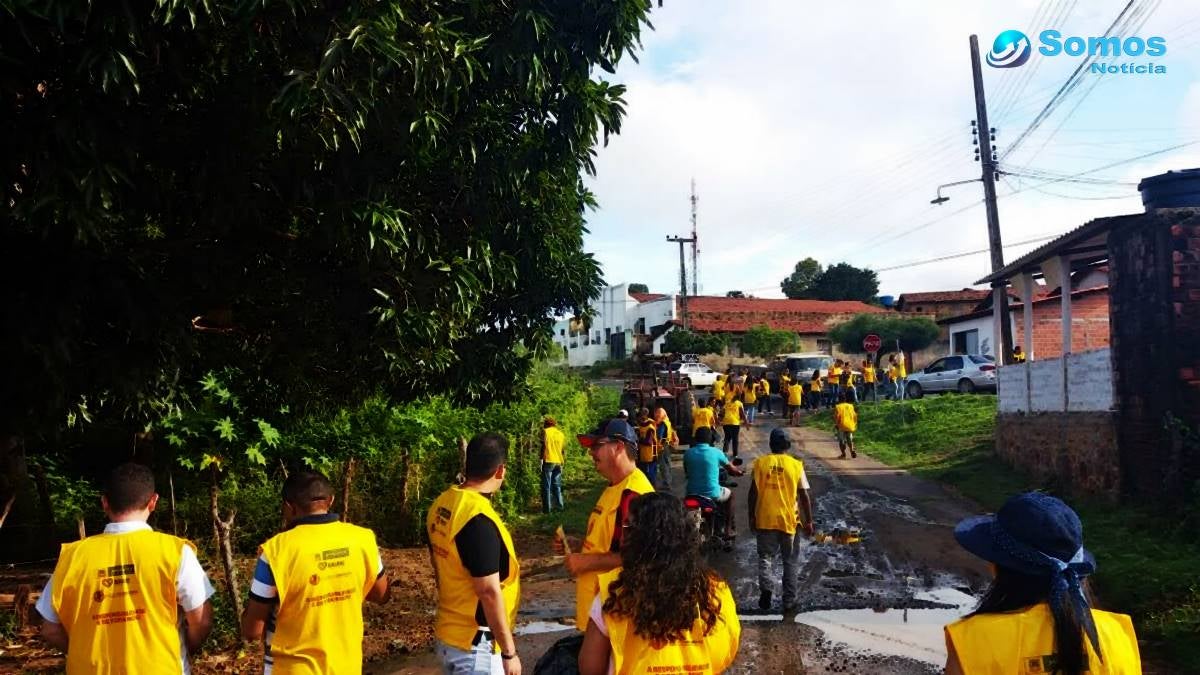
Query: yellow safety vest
{"type": "Point", "coordinates": [1022, 643]}
{"type": "Point", "coordinates": [869, 374]}
{"type": "Point", "coordinates": [701, 417]}
{"type": "Point", "coordinates": [834, 375]}
{"type": "Point", "coordinates": [456, 624]}
{"type": "Point", "coordinates": [795, 394]}
{"type": "Point", "coordinates": [672, 437]}
{"type": "Point", "coordinates": [751, 394]}
{"type": "Point", "coordinates": [846, 417]}
{"type": "Point", "coordinates": [552, 445]}
{"type": "Point", "coordinates": [600, 528]}
{"type": "Point", "coordinates": [694, 654]}
{"type": "Point", "coordinates": [766, 386]}
{"type": "Point", "coordinates": [115, 595]}
{"type": "Point", "coordinates": [647, 452]}
{"type": "Point", "coordinates": [814, 386]}
{"type": "Point", "coordinates": [718, 389]}
{"type": "Point", "coordinates": [323, 572]}
{"type": "Point", "coordinates": [777, 482]}
{"type": "Point", "coordinates": [901, 367]}
{"type": "Point", "coordinates": [733, 414]}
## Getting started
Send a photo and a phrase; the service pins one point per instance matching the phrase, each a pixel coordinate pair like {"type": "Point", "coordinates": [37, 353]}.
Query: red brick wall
{"type": "Point", "coordinates": [1089, 325]}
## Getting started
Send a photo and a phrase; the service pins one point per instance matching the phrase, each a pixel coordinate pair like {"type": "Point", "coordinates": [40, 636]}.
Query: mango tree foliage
{"type": "Point", "coordinates": [340, 196]}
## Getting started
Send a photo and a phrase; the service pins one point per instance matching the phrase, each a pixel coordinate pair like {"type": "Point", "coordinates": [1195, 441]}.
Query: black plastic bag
{"type": "Point", "coordinates": [562, 658]}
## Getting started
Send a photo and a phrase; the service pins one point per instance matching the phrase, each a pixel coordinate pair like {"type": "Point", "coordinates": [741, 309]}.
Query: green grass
{"type": "Point", "coordinates": [1148, 561]}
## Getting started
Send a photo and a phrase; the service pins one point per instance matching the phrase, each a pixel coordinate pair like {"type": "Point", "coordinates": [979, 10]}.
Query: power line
{"type": "Point", "coordinates": [1071, 82]}
{"type": "Point", "coordinates": [964, 254]}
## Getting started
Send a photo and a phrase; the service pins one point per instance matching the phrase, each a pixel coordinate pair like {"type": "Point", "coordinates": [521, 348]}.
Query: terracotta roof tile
{"type": "Point", "coordinates": [965, 295]}
{"type": "Point", "coordinates": [647, 297]}
{"type": "Point", "coordinates": [737, 315]}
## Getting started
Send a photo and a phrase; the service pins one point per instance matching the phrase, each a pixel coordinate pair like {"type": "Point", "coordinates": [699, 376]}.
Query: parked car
{"type": "Point", "coordinates": [802, 366]}
{"type": "Point", "coordinates": [699, 374]}
{"type": "Point", "coordinates": [964, 373]}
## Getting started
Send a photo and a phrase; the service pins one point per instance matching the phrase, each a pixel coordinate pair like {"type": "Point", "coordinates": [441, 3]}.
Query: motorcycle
{"type": "Point", "coordinates": [708, 516]}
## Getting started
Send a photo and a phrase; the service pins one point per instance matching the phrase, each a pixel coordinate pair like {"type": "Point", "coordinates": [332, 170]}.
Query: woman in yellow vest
{"type": "Point", "coordinates": [664, 610]}
{"type": "Point", "coordinates": [732, 417]}
{"type": "Point", "coordinates": [1036, 617]}
{"type": "Point", "coordinates": [750, 398]}
{"type": "Point", "coordinates": [718, 388]}
{"type": "Point", "coordinates": [648, 447]}
{"type": "Point", "coordinates": [667, 441]}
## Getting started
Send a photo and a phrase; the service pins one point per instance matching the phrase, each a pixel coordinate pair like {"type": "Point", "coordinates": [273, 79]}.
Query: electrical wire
{"type": "Point", "coordinates": [964, 254]}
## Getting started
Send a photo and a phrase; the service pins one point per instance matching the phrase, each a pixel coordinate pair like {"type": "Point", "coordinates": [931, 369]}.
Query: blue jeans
{"type": "Point", "coordinates": [481, 660]}
{"type": "Point", "coordinates": [650, 469]}
{"type": "Point", "coordinates": [750, 411]}
{"type": "Point", "coordinates": [552, 496]}
{"type": "Point", "coordinates": [900, 388]}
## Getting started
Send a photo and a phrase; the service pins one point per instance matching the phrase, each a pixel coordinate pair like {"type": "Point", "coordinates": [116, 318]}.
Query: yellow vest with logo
{"type": "Point", "coordinates": [552, 445]}
{"type": "Point", "coordinates": [600, 528]}
{"type": "Point", "coordinates": [702, 417]}
{"type": "Point", "coordinates": [733, 414]}
{"type": "Point", "coordinates": [323, 572]}
{"type": "Point", "coordinates": [647, 452]}
{"type": "Point", "coordinates": [115, 595]}
{"type": "Point", "coordinates": [777, 481]}
{"type": "Point", "coordinates": [1022, 643]}
{"type": "Point", "coordinates": [456, 624]}
{"type": "Point", "coordinates": [695, 654]}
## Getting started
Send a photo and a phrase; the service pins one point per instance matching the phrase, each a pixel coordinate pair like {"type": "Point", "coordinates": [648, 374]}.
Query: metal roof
{"type": "Point", "coordinates": [1052, 248]}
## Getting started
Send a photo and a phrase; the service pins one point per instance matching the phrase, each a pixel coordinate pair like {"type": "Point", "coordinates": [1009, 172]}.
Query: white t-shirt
{"type": "Point", "coordinates": [192, 587]}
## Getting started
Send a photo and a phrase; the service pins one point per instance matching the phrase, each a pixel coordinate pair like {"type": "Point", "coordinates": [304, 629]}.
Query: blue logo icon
{"type": "Point", "coordinates": [1010, 50]}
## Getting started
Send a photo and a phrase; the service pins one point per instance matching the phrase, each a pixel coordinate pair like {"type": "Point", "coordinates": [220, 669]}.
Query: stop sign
{"type": "Point", "coordinates": [872, 343]}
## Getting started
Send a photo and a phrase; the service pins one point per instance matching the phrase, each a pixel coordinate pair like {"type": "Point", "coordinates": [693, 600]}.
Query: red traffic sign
{"type": "Point", "coordinates": [872, 343]}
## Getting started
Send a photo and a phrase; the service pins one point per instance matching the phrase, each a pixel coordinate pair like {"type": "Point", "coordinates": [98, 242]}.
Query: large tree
{"type": "Point", "coordinates": [845, 282]}
{"type": "Point", "coordinates": [801, 279]}
{"type": "Point", "coordinates": [337, 195]}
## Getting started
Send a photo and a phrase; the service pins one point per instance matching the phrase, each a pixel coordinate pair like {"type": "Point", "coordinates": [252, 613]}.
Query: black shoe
{"type": "Point", "coordinates": [764, 600]}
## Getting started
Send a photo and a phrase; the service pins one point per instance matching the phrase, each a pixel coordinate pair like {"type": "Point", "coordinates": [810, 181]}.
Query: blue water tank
{"type": "Point", "coordinates": [887, 300]}
{"type": "Point", "coordinates": [1171, 190]}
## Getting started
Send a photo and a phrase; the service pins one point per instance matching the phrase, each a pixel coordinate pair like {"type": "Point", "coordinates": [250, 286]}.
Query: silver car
{"type": "Point", "coordinates": [964, 373]}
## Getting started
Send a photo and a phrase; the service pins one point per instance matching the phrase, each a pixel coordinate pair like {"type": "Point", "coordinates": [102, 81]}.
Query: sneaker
{"type": "Point", "coordinates": [764, 600]}
{"type": "Point", "coordinates": [853, 454]}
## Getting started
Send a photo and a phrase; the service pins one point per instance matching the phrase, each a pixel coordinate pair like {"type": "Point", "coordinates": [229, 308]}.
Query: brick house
{"type": "Point", "coordinates": [811, 320]}
{"type": "Point", "coordinates": [941, 304]}
{"type": "Point", "coordinates": [1112, 420]}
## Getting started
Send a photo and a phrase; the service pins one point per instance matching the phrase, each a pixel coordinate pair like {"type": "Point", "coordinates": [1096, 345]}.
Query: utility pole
{"type": "Point", "coordinates": [695, 242]}
{"type": "Point", "coordinates": [1002, 333]}
{"type": "Point", "coordinates": [683, 294]}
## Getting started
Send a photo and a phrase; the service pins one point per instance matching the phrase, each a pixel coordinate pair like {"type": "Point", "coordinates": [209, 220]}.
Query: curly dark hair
{"type": "Point", "coordinates": [665, 583]}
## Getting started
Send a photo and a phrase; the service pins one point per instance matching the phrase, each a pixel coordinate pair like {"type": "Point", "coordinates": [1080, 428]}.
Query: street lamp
{"type": "Point", "coordinates": [939, 199]}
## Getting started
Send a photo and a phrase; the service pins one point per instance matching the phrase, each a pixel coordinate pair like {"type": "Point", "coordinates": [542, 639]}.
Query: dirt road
{"type": "Point", "coordinates": [873, 607]}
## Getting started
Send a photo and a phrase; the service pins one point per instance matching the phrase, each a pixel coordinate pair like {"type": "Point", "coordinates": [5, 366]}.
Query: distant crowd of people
{"type": "Point", "coordinates": [132, 600]}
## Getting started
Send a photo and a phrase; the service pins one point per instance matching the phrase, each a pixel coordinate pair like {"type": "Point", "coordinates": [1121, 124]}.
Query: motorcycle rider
{"type": "Point", "coordinates": [702, 464]}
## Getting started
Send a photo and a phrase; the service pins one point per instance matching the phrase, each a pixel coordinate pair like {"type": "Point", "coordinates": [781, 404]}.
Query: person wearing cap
{"type": "Point", "coordinates": [623, 414]}
{"type": "Point", "coordinates": [1036, 617]}
{"type": "Point", "coordinates": [612, 446]}
{"type": "Point", "coordinates": [553, 441]}
{"type": "Point", "coordinates": [779, 503]}
{"type": "Point", "coordinates": [476, 568]}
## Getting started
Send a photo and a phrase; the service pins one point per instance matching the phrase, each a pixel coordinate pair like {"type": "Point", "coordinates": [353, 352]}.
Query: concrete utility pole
{"type": "Point", "coordinates": [695, 242]}
{"type": "Point", "coordinates": [683, 294]}
{"type": "Point", "coordinates": [1002, 334]}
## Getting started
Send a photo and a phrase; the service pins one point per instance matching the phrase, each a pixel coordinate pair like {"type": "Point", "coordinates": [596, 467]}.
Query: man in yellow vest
{"type": "Point", "coordinates": [553, 442]}
{"type": "Point", "coordinates": [869, 381]}
{"type": "Point", "coordinates": [310, 583]}
{"type": "Point", "coordinates": [612, 445]}
{"type": "Point", "coordinates": [115, 600]}
{"type": "Point", "coordinates": [779, 501]}
{"type": "Point", "coordinates": [845, 420]}
{"type": "Point", "coordinates": [478, 574]}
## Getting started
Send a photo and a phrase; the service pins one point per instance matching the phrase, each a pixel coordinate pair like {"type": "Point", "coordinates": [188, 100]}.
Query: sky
{"type": "Point", "coordinates": [825, 131]}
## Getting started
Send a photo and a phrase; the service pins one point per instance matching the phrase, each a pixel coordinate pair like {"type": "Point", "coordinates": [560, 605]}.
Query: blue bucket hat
{"type": "Point", "coordinates": [1038, 535]}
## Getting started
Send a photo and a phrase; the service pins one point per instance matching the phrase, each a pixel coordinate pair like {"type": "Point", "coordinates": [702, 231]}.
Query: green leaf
{"type": "Point", "coordinates": [254, 454]}
{"type": "Point", "coordinates": [270, 435]}
{"type": "Point", "coordinates": [224, 428]}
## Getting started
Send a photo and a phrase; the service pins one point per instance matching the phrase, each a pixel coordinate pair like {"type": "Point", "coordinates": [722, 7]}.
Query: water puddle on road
{"type": "Point", "coordinates": [538, 627]}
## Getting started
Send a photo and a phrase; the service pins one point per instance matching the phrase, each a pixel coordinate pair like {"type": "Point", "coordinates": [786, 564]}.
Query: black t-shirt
{"type": "Point", "coordinates": [482, 552]}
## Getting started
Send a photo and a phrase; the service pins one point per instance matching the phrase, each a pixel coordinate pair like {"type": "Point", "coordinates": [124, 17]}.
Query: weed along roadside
{"type": "Point", "coordinates": [1147, 559]}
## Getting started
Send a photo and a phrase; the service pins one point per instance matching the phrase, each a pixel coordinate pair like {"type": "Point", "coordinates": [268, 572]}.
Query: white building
{"type": "Point", "coordinates": [620, 323]}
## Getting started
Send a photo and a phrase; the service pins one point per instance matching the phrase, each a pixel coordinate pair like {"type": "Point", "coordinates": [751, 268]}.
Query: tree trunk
{"type": "Point", "coordinates": [8, 504]}
{"type": "Point", "coordinates": [82, 527]}
{"type": "Point", "coordinates": [223, 528]}
{"type": "Point", "coordinates": [347, 477]}
{"type": "Point", "coordinates": [43, 490]}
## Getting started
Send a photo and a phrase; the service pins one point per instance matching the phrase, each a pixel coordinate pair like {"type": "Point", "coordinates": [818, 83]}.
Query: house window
{"type": "Point", "coordinates": [966, 342]}
{"type": "Point", "coordinates": [597, 341]}
{"type": "Point", "coordinates": [639, 327]}
{"type": "Point", "coordinates": [562, 332]}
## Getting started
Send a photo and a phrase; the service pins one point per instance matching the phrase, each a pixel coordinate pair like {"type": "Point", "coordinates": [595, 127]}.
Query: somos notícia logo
{"type": "Point", "coordinates": [1012, 49]}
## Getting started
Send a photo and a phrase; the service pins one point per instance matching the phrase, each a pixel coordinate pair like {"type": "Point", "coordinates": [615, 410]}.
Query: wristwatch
{"type": "Point", "coordinates": [508, 657]}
